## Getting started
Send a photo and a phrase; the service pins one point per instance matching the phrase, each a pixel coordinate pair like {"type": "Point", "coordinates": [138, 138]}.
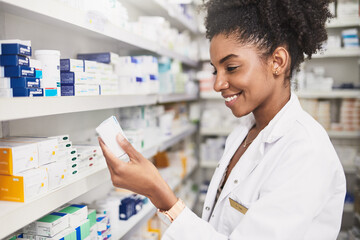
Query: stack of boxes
{"type": "Point", "coordinates": [350, 115]}
{"type": "Point", "coordinates": [87, 157]}
{"type": "Point", "coordinates": [18, 77]}
{"type": "Point", "coordinates": [73, 222]}
{"type": "Point", "coordinates": [78, 80]}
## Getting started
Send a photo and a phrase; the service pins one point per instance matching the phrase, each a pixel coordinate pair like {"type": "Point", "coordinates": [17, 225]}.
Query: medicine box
{"type": "Point", "coordinates": [71, 65]}
{"type": "Point", "coordinates": [77, 214]}
{"type": "Point", "coordinates": [92, 217]}
{"type": "Point", "coordinates": [57, 174]}
{"type": "Point", "coordinates": [83, 230]}
{"type": "Point", "coordinates": [108, 130]}
{"type": "Point", "coordinates": [50, 92]}
{"type": "Point", "coordinates": [80, 90]}
{"type": "Point", "coordinates": [61, 138]}
{"type": "Point", "coordinates": [6, 92]}
{"type": "Point", "coordinates": [28, 92]}
{"type": "Point", "coordinates": [90, 66]}
{"type": "Point", "coordinates": [71, 78]}
{"type": "Point", "coordinates": [65, 145]}
{"type": "Point", "coordinates": [38, 67]}
{"type": "Point", "coordinates": [25, 82]}
{"type": "Point", "coordinates": [52, 224]}
{"type": "Point", "coordinates": [24, 186]}
{"type": "Point", "coordinates": [14, 60]}
{"type": "Point", "coordinates": [46, 147]}
{"type": "Point", "coordinates": [15, 48]}
{"type": "Point", "coordinates": [67, 234]}
{"type": "Point", "coordinates": [5, 83]}
{"type": "Point", "coordinates": [106, 57]}
{"type": "Point", "coordinates": [16, 157]}
{"type": "Point", "coordinates": [19, 71]}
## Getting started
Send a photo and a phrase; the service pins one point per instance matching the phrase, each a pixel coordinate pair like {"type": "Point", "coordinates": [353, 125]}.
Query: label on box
{"type": "Point", "coordinates": [25, 82]}
{"type": "Point", "coordinates": [19, 71]}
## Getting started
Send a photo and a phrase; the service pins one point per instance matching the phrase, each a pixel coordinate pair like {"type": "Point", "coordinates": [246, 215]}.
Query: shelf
{"type": "Point", "coordinates": [329, 94]}
{"type": "Point", "coordinates": [345, 22]}
{"type": "Point", "coordinates": [25, 107]}
{"type": "Point", "coordinates": [208, 164]}
{"type": "Point", "coordinates": [164, 9]}
{"type": "Point", "coordinates": [177, 97]}
{"type": "Point", "coordinates": [25, 213]}
{"type": "Point", "coordinates": [211, 95]}
{"type": "Point", "coordinates": [341, 52]}
{"type": "Point", "coordinates": [177, 136]}
{"type": "Point", "coordinates": [344, 134]}
{"type": "Point", "coordinates": [57, 14]}
{"type": "Point", "coordinates": [215, 131]}
{"type": "Point", "coordinates": [15, 215]}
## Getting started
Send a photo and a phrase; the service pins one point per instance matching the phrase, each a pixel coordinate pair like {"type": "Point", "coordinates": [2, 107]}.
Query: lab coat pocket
{"type": "Point", "coordinates": [235, 210]}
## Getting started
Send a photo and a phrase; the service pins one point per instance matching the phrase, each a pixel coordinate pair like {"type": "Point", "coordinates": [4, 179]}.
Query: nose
{"type": "Point", "coordinates": [220, 83]}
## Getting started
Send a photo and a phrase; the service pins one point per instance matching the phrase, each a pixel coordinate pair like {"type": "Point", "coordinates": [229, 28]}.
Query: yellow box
{"type": "Point", "coordinates": [16, 157]}
{"type": "Point", "coordinates": [25, 186]}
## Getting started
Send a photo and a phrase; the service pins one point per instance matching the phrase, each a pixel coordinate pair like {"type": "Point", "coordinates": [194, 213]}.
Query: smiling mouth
{"type": "Point", "coordinates": [233, 97]}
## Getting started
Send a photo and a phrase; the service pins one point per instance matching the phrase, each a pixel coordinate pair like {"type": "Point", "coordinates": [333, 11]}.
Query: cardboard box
{"type": "Point", "coordinates": [25, 82]}
{"type": "Point", "coordinates": [15, 48]}
{"type": "Point", "coordinates": [83, 231]}
{"type": "Point", "coordinates": [57, 174]}
{"type": "Point", "coordinates": [77, 214]}
{"type": "Point", "coordinates": [14, 60]}
{"type": "Point", "coordinates": [67, 234]}
{"type": "Point", "coordinates": [28, 92]}
{"type": "Point", "coordinates": [61, 138]}
{"type": "Point", "coordinates": [47, 147]}
{"type": "Point", "coordinates": [19, 71]}
{"type": "Point", "coordinates": [71, 65]}
{"type": "Point", "coordinates": [16, 157]}
{"type": "Point", "coordinates": [49, 225]}
{"type": "Point", "coordinates": [24, 186]}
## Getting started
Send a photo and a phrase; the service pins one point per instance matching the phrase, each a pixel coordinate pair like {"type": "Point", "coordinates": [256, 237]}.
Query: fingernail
{"type": "Point", "coordinates": [120, 137]}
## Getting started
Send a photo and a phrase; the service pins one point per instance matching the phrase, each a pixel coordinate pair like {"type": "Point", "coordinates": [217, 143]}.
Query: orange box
{"type": "Point", "coordinates": [16, 157]}
{"type": "Point", "coordinates": [25, 186]}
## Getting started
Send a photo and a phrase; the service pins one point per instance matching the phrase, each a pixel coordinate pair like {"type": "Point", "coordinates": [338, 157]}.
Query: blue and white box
{"type": "Point", "coordinates": [71, 65]}
{"type": "Point", "coordinates": [28, 92]}
{"type": "Point", "coordinates": [19, 71]}
{"type": "Point", "coordinates": [38, 67]}
{"type": "Point", "coordinates": [90, 66]}
{"type": "Point", "coordinates": [14, 60]}
{"type": "Point", "coordinates": [80, 90]}
{"type": "Point", "coordinates": [71, 78]}
{"type": "Point", "coordinates": [106, 57]}
{"type": "Point", "coordinates": [15, 49]}
{"type": "Point", "coordinates": [25, 82]}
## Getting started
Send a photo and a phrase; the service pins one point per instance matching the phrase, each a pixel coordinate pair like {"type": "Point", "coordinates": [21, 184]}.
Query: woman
{"type": "Point", "coordinates": [279, 177]}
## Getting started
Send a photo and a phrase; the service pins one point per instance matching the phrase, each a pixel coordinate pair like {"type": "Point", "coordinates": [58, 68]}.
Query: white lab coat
{"type": "Point", "coordinates": [289, 178]}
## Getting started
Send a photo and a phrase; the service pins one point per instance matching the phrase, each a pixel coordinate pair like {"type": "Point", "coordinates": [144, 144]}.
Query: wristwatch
{"type": "Point", "coordinates": [169, 216]}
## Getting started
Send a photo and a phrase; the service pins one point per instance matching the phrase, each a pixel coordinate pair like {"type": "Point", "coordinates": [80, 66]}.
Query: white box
{"type": "Point", "coordinates": [57, 174]}
{"type": "Point", "coordinates": [90, 66]}
{"type": "Point", "coordinates": [108, 130]}
{"type": "Point", "coordinates": [16, 157]}
{"type": "Point", "coordinates": [5, 83]}
{"type": "Point", "coordinates": [68, 233]}
{"type": "Point", "coordinates": [52, 224]}
{"type": "Point", "coordinates": [77, 214]}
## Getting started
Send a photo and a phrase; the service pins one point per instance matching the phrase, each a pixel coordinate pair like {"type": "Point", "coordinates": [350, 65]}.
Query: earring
{"type": "Point", "coordinates": [276, 71]}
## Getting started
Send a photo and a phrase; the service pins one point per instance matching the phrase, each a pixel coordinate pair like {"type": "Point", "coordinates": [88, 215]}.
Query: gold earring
{"type": "Point", "coordinates": [276, 72]}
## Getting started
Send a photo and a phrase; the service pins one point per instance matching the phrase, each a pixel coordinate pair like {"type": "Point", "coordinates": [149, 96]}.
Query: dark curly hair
{"type": "Point", "coordinates": [299, 25]}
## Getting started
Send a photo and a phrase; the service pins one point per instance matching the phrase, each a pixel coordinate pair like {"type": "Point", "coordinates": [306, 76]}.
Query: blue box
{"type": "Point", "coordinates": [19, 71]}
{"type": "Point", "coordinates": [28, 92]}
{"type": "Point", "coordinates": [25, 82]}
{"type": "Point", "coordinates": [38, 73]}
{"type": "Point", "coordinates": [98, 57]}
{"type": "Point", "coordinates": [71, 65]}
{"type": "Point", "coordinates": [14, 60]}
{"type": "Point", "coordinates": [15, 49]}
{"type": "Point", "coordinates": [51, 92]}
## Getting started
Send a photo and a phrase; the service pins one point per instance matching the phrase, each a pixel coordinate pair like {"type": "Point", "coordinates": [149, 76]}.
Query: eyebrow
{"type": "Point", "coordinates": [227, 58]}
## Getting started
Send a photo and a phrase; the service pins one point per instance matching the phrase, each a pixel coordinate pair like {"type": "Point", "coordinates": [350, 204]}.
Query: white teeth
{"type": "Point", "coordinates": [228, 99]}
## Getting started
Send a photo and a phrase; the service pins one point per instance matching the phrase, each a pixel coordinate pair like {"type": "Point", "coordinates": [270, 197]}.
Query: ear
{"type": "Point", "coordinates": [279, 61]}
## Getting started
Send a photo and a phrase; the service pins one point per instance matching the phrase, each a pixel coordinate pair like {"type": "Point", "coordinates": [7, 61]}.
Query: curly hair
{"type": "Point", "coordinates": [299, 25]}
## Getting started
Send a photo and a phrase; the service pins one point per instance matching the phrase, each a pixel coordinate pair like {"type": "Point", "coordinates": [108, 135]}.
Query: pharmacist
{"type": "Point", "coordinates": [279, 177]}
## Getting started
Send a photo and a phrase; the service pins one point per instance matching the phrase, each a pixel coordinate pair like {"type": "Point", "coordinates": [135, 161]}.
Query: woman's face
{"type": "Point", "coordinates": [245, 81]}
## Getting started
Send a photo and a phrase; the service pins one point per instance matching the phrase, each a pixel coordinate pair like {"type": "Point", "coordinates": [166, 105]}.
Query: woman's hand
{"type": "Point", "coordinates": [138, 175]}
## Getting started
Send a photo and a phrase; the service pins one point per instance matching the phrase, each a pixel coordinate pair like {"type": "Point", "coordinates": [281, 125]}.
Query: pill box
{"type": "Point", "coordinates": [90, 66]}
{"type": "Point", "coordinates": [77, 214]}
{"type": "Point", "coordinates": [105, 57]}
{"type": "Point", "coordinates": [108, 130]}
{"type": "Point", "coordinates": [15, 48]}
{"type": "Point", "coordinates": [71, 65]}
{"type": "Point", "coordinates": [19, 71]}
{"type": "Point", "coordinates": [16, 157]}
{"type": "Point", "coordinates": [71, 78]}
{"type": "Point", "coordinates": [38, 67]}
{"type": "Point", "coordinates": [14, 60]}
{"type": "Point", "coordinates": [80, 90]}
{"type": "Point", "coordinates": [28, 92]}
{"type": "Point", "coordinates": [50, 92]}
{"type": "Point", "coordinates": [24, 186]}
{"type": "Point", "coordinates": [57, 174]}
{"type": "Point", "coordinates": [25, 82]}
{"type": "Point", "coordinates": [49, 225]}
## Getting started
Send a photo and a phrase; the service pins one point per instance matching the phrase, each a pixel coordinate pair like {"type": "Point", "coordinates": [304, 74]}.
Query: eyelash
{"type": "Point", "coordinates": [229, 69]}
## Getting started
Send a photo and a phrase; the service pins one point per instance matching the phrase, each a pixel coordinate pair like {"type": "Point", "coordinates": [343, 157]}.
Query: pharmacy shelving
{"type": "Point", "coordinates": [165, 9]}
{"type": "Point", "coordinates": [208, 164]}
{"type": "Point", "coordinates": [329, 94]}
{"type": "Point", "coordinates": [176, 97]}
{"type": "Point", "coordinates": [210, 95]}
{"type": "Point", "coordinates": [338, 53]}
{"type": "Point", "coordinates": [14, 216]}
{"type": "Point", "coordinates": [59, 15]}
{"type": "Point", "coordinates": [215, 131]}
{"type": "Point", "coordinates": [177, 136]}
{"type": "Point", "coordinates": [344, 22]}
{"type": "Point", "coordinates": [44, 106]}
